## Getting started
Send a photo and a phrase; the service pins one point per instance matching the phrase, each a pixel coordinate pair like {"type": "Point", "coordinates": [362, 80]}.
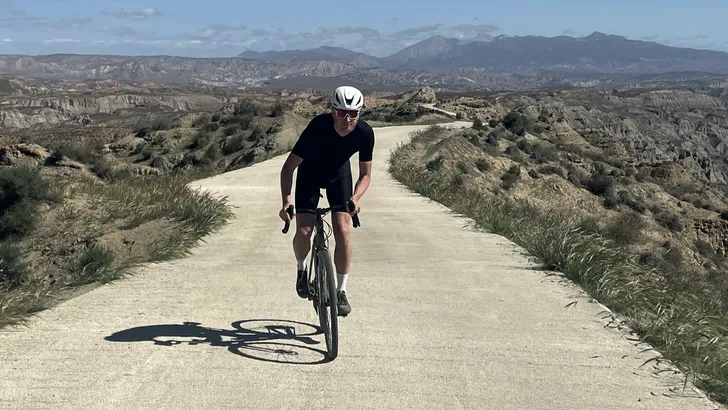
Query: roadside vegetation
{"type": "Point", "coordinates": [79, 213]}
{"type": "Point", "coordinates": [612, 229]}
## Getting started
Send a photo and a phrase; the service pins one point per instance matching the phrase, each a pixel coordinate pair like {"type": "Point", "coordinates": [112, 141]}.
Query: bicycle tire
{"type": "Point", "coordinates": [326, 285]}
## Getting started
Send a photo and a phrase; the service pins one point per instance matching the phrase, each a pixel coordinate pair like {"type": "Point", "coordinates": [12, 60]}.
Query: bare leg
{"type": "Point", "coordinates": [302, 239]}
{"type": "Point", "coordinates": [342, 253]}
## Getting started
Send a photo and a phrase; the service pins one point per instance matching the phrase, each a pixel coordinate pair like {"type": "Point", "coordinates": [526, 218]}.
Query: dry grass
{"type": "Point", "coordinates": [666, 309]}
{"type": "Point", "coordinates": [104, 211]}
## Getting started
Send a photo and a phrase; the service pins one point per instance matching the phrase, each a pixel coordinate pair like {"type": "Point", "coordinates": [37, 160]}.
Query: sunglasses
{"type": "Point", "coordinates": [344, 113]}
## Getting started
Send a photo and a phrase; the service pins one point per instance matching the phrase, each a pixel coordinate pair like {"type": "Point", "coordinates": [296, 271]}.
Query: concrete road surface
{"type": "Point", "coordinates": [443, 318]}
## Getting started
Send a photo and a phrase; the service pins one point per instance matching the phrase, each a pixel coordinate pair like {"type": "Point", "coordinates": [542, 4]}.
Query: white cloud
{"type": "Point", "coordinates": [143, 14]}
{"type": "Point", "coordinates": [6, 40]}
{"type": "Point", "coordinates": [61, 40]}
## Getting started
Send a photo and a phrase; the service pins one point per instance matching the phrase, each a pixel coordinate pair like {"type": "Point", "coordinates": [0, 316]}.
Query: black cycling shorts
{"type": "Point", "coordinates": [308, 190]}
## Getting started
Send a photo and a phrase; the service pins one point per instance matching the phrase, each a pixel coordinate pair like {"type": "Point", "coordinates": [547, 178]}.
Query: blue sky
{"type": "Point", "coordinates": [226, 28]}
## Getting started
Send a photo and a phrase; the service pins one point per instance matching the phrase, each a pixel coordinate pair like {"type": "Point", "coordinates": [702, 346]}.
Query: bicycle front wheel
{"type": "Point", "coordinates": [328, 302]}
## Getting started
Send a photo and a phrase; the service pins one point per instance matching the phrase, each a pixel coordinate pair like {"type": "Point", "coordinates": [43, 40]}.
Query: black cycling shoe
{"type": "Point", "coordinates": [344, 308]}
{"type": "Point", "coordinates": [302, 285]}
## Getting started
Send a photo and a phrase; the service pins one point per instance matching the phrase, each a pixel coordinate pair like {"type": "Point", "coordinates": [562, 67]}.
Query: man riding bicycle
{"type": "Point", "coordinates": [321, 155]}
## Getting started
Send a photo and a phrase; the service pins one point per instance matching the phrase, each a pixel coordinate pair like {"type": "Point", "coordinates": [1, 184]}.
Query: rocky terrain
{"type": "Point", "coordinates": [656, 156]}
{"type": "Point", "coordinates": [446, 64]}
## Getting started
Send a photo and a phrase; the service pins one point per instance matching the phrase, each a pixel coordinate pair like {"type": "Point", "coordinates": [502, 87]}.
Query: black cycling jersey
{"type": "Point", "coordinates": [326, 154]}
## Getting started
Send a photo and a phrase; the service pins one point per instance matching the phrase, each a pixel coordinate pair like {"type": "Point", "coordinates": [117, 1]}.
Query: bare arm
{"type": "Point", "coordinates": [292, 162]}
{"type": "Point", "coordinates": [365, 177]}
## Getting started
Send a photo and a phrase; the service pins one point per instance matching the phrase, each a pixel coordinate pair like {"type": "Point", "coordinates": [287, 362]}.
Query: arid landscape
{"type": "Point", "coordinates": [607, 167]}
{"type": "Point", "coordinates": [625, 192]}
{"type": "Point", "coordinates": [94, 173]}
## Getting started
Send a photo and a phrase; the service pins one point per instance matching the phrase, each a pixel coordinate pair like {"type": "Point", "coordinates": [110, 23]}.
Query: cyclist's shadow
{"type": "Point", "coordinates": [279, 341]}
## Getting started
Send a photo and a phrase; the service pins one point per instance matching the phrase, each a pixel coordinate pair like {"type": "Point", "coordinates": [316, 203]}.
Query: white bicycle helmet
{"type": "Point", "coordinates": [347, 97]}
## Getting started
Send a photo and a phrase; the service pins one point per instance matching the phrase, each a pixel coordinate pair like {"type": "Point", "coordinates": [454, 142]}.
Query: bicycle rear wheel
{"type": "Point", "coordinates": [328, 302]}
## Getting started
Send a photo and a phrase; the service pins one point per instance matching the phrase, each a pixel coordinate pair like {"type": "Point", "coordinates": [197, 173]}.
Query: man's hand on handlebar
{"type": "Point", "coordinates": [353, 206]}
{"type": "Point", "coordinates": [284, 213]}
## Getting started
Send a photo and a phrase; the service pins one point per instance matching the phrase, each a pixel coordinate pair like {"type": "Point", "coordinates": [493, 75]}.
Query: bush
{"type": "Point", "coordinates": [233, 144]}
{"type": "Point", "coordinates": [211, 127]}
{"type": "Point", "coordinates": [22, 189]}
{"type": "Point", "coordinates": [510, 177]}
{"type": "Point", "coordinates": [670, 221]}
{"type": "Point", "coordinates": [524, 146]}
{"type": "Point", "coordinates": [600, 184]}
{"type": "Point", "coordinates": [552, 170]}
{"type": "Point", "coordinates": [434, 165]}
{"type": "Point", "coordinates": [517, 123]}
{"type": "Point", "coordinates": [482, 165]}
{"type": "Point", "coordinates": [277, 110]}
{"type": "Point", "coordinates": [84, 152]}
{"type": "Point", "coordinates": [245, 109]}
{"type": "Point", "coordinates": [13, 272]}
{"type": "Point", "coordinates": [200, 139]}
{"type": "Point", "coordinates": [514, 153]}
{"type": "Point", "coordinates": [624, 199]}
{"type": "Point", "coordinates": [478, 125]}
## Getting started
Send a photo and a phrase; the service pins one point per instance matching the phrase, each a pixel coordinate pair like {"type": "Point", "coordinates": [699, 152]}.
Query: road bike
{"type": "Point", "coordinates": [322, 289]}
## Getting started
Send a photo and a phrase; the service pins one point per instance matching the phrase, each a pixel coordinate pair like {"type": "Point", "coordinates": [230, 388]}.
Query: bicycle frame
{"type": "Point", "coordinates": [322, 290]}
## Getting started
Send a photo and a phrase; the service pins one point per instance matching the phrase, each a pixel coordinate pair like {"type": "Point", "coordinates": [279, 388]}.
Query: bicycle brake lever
{"type": "Point", "coordinates": [355, 217]}
{"type": "Point", "coordinates": [288, 223]}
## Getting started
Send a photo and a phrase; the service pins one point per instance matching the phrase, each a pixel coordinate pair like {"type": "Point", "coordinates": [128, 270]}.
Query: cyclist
{"type": "Point", "coordinates": [321, 155]}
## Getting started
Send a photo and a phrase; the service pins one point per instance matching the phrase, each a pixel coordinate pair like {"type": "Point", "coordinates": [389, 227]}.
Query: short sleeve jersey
{"type": "Point", "coordinates": [326, 154]}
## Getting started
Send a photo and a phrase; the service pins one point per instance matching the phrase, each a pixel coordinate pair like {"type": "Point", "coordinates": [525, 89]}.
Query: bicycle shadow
{"type": "Point", "coordinates": [278, 341]}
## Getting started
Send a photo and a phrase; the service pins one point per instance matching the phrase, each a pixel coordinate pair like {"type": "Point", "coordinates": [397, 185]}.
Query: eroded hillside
{"type": "Point", "coordinates": [632, 182]}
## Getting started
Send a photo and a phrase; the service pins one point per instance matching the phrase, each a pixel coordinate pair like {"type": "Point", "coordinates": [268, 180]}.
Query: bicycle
{"type": "Point", "coordinates": [322, 289]}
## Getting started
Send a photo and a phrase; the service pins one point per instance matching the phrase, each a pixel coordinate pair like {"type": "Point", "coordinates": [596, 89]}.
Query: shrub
{"type": "Point", "coordinates": [524, 146]}
{"type": "Point", "coordinates": [85, 152]}
{"type": "Point", "coordinates": [277, 110]}
{"type": "Point", "coordinates": [233, 144]}
{"type": "Point", "coordinates": [435, 164]}
{"type": "Point", "coordinates": [670, 221]}
{"type": "Point", "coordinates": [13, 272]}
{"type": "Point", "coordinates": [552, 170]}
{"type": "Point", "coordinates": [245, 109]}
{"type": "Point", "coordinates": [211, 127]}
{"type": "Point", "coordinates": [510, 177]}
{"type": "Point", "coordinates": [600, 184]}
{"type": "Point", "coordinates": [624, 199]}
{"type": "Point", "coordinates": [513, 152]}
{"type": "Point", "coordinates": [22, 189]}
{"type": "Point", "coordinates": [162, 124]}
{"type": "Point", "coordinates": [482, 165]}
{"type": "Point", "coordinates": [200, 139]}
{"type": "Point", "coordinates": [517, 123]}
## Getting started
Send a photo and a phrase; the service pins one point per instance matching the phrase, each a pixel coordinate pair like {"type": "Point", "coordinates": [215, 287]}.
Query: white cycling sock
{"type": "Point", "coordinates": [342, 281]}
{"type": "Point", "coordinates": [301, 264]}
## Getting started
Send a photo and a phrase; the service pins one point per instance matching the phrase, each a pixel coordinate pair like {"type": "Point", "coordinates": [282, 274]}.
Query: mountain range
{"type": "Point", "coordinates": [482, 63]}
{"type": "Point", "coordinates": [597, 52]}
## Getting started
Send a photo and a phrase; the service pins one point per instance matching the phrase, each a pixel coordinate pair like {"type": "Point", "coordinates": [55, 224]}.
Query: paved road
{"type": "Point", "coordinates": [443, 318]}
{"type": "Point", "coordinates": [432, 107]}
